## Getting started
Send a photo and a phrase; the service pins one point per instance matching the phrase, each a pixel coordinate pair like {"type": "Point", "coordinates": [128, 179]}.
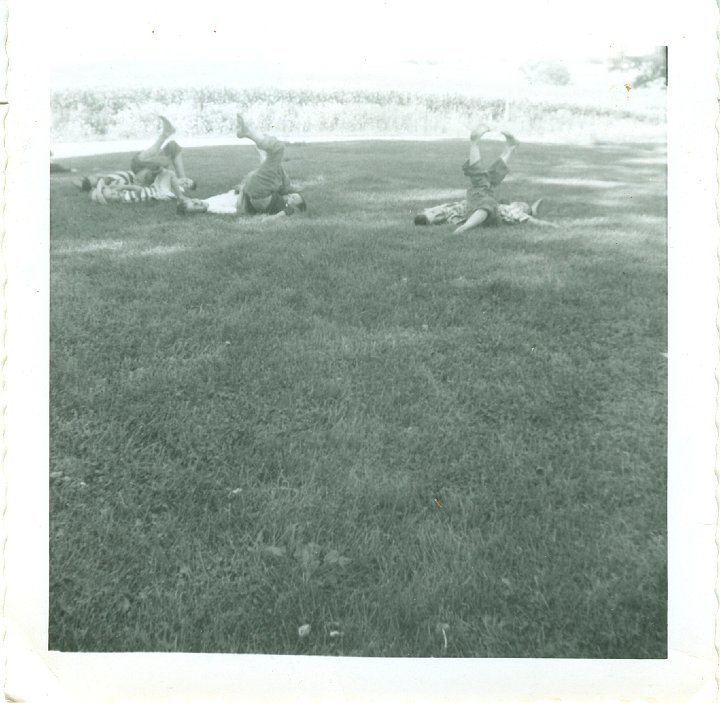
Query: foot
{"type": "Point", "coordinates": [167, 127]}
{"type": "Point", "coordinates": [510, 140]}
{"type": "Point", "coordinates": [478, 131]}
{"type": "Point", "coordinates": [242, 130]}
{"type": "Point", "coordinates": [535, 207]}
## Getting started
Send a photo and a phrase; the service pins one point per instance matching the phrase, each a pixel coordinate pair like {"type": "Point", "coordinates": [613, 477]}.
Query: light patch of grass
{"type": "Point", "coordinates": [429, 194]}
{"type": "Point", "coordinates": [157, 251]}
{"type": "Point", "coordinates": [595, 184]}
{"type": "Point", "coordinates": [88, 247]}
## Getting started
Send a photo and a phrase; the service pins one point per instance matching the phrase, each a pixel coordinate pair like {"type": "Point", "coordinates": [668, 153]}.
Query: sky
{"type": "Point", "coordinates": [376, 43]}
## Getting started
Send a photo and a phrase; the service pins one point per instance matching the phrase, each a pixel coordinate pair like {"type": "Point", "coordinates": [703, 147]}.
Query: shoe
{"type": "Point", "coordinates": [535, 207]}
{"type": "Point", "coordinates": [421, 220]}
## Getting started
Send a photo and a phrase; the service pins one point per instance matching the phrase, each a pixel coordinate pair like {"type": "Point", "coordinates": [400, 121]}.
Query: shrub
{"type": "Point", "coordinates": [129, 114]}
{"type": "Point", "coordinates": [549, 72]}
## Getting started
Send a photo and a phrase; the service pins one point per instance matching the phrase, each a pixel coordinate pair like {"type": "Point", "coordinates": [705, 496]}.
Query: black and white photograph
{"type": "Point", "coordinates": [358, 329]}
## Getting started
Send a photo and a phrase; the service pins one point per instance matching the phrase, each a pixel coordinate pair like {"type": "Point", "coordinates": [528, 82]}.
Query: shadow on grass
{"type": "Point", "coordinates": [627, 181]}
{"type": "Point", "coordinates": [476, 423]}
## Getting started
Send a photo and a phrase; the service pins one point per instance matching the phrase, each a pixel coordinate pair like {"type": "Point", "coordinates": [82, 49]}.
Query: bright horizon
{"type": "Point", "coordinates": [385, 44]}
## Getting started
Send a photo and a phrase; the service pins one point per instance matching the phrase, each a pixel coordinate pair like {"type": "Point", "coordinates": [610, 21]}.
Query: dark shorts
{"type": "Point", "coordinates": [262, 187]}
{"type": "Point", "coordinates": [480, 195]}
{"type": "Point", "coordinates": [270, 176]}
{"type": "Point", "coordinates": [171, 150]}
{"type": "Point", "coordinates": [482, 201]}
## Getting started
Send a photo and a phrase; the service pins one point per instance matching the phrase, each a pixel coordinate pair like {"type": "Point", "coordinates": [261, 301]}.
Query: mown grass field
{"type": "Point", "coordinates": [417, 444]}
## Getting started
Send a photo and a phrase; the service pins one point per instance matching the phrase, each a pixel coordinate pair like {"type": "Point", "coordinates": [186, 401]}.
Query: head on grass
{"type": "Point", "coordinates": [294, 202]}
{"type": "Point", "coordinates": [520, 206]}
{"type": "Point", "coordinates": [191, 206]}
{"type": "Point", "coordinates": [187, 184]}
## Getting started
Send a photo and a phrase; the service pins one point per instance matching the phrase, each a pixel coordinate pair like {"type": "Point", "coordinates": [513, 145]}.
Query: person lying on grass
{"type": "Point", "coordinates": [265, 191]}
{"type": "Point", "coordinates": [146, 166]}
{"type": "Point", "coordinates": [455, 213]}
{"type": "Point", "coordinates": [166, 186]}
{"type": "Point", "coordinates": [481, 206]}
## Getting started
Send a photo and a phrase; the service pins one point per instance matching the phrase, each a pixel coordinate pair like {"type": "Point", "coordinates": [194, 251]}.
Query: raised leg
{"type": "Point", "coordinates": [155, 149]}
{"type": "Point", "coordinates": [510, 145]}
{"type": "Point", "coordinates": [262, 141]}
{"type": "Point", "coordinates": [178, 165]}
{"type": "Point", "coordinates": [474, 156]}
{"type": "Point", "coordinates": [269, 179]}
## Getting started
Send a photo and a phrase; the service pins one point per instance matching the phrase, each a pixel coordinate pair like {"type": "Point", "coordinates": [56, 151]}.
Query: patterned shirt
{"type": "Point", "coordinates": [455, 213]}
{"type": "Point", "coordinates": [118, 178]}
{"type": "Point", "coordinates": [514, 213]}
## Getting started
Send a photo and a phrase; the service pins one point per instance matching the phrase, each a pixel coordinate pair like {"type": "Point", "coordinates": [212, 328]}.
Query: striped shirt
{"type": "Point", "coordinates": [118, 178]}
{"type": "Point", "coordinates": [144, 194]}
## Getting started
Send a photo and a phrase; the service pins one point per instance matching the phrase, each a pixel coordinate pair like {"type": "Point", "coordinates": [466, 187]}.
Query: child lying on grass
{"type": "Point", "coordinates": [112, 188]}
{"type": "Point", "coordinates": [454, 213]}
{"type": "Point", "coordinates": [150, 175]}
{"type": "Point", "coordinates": [265, 191]}
{"type": "Point", "coordinates": [480, 206]}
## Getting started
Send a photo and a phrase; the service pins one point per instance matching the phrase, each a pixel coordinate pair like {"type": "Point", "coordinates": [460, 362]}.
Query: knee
{"type": "Point", "coordinates": [275, 146]}
{"type": "Point", "coordinates": [172, 149]}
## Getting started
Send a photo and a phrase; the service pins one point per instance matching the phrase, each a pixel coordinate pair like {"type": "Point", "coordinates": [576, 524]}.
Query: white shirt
{"type": "Point", "coordinates": [223, 204]}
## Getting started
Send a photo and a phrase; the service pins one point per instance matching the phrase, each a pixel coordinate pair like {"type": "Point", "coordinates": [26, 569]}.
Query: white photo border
{"type": "Point", "coordinates": [33, 673]}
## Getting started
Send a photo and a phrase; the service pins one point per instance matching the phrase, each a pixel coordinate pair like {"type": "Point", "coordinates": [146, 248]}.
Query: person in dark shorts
{"type": "Point", "coordinates": [159, 160]}
{"type": "Point", "coordinates": [265, 191]}
{"type": "Point", "coordinates": [481, 202]}
{"type": "Point", "coordinates": [481, 206]}
{"type": "Point", "coordinates": [163, 153]}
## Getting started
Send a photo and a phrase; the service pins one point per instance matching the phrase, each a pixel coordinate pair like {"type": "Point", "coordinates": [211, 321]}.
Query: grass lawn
{"type": "Point", "coordinates": [417, 444]}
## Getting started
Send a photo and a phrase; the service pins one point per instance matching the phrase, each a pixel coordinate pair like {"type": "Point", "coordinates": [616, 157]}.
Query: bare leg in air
{"type": "Point", "coordinates": [270, 178]}
{"type": "Point", "coordinates": [155, 149]}
{"type": "Point", "coordinates": [160, 152]}
{"type": "Point", "coordinates": [261, 140]}
{"type": "Point", "coordinates": [477, 217]}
